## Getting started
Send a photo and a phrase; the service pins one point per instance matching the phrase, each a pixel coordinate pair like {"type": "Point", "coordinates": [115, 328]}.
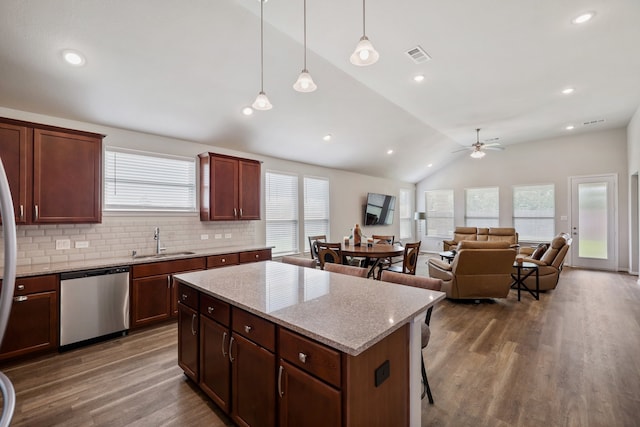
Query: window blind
{"type": "Point", "coordinates": [482, 207]}
{"type": "Point", "coordinates": [439, 213]}
{"type": "Point", "coordinates": [139, 181]}
{"type": "Point", "coordinates": [316, 208]}
{"type": "Point", "coordinates": [406, 217]}
{"type": "Point", "coordinates": [534, 212]}
{"type": "Point", "coordinates": [281, 205]}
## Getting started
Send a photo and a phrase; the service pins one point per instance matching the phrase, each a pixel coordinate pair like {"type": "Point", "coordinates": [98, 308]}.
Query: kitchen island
{"type": "Point", "coordinates": [272, 342]}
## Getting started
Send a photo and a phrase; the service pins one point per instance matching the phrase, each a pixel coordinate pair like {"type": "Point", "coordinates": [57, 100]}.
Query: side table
{"type": "Point", "coordinates": [518, 278]}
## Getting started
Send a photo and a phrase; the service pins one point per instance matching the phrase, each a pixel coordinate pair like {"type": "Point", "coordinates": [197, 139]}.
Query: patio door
{"type": "Point", "coordinates": [593, 222]}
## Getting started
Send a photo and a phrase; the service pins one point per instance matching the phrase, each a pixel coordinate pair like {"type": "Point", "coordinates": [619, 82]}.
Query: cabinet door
{"type": "Point", "coordinates": [66, 177]}
{"type": "Point", "coordinates": [15, 153]}
{"type": "Point", "coordinates": [253, 384]}
{"type": "Point", "coordinates": [306, 401]}
{"type": "Point", "coordinates": [249, 189]}
{"type": "Point", "coordinates": [224, 188]}
{"type": "Point", "coordinates": [33, 325]}
{"type": "Point", "coordinates": [215, 369]}
{"type": "Point", "coordinates": [188, 341]}
{"type": "Point", "coordinates": [150, 300]}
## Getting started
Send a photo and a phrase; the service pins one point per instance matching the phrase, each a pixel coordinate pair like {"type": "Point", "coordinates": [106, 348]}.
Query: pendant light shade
{"type": "Point", "coordinates": [365, 54]}
{"type": "Point", "coordinates": [262, 102]}
{"type": "Point", "coordinates": [305, 82]}
{"type": "Point", "coordinates": [477, 154]}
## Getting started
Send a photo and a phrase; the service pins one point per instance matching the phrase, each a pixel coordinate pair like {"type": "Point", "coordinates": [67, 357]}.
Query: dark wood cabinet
{"type": "Point", "coordinates": [33, 322]}
{"type": "Point", "coordinates": [154, 297]}
{"type": "Point", "coordinates": [188, 337]}
{"type": "Point", "coordinates": [45, 162]}
{"type": "Point", "coordinates": [255, 256]}
{"type": "Point", "coordinates": [229, 188]}
{"type": "Point", "coordinates": [215, 367]}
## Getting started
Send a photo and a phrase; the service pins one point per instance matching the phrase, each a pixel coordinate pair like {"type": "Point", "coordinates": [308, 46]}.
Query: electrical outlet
{"type": "Point", "coordinates": [218, 236]}
{"type": "Point", "coordinates": [204, 237]}
{"type": "Point", "coordinates": [63, 244]}
{"type": "Point", "coordinates": [82, 244]}
{"type": "Point", "coordinates": [227, 236]}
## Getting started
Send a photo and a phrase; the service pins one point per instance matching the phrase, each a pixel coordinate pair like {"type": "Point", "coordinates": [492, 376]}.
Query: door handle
{"type": "Point", "coordinates": [193, 319]}
{"type": "Point", "coordinates": [280, 381]}
{"type": "Point", "coordinates": [231, 359]}
{"type": "Point", "coordinates": [37, 213]}
{"type": "Point", "coordinates": [224, 338]}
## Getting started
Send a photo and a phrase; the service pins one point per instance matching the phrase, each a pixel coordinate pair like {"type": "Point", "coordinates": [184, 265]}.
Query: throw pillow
{"type": "Point", "coordinates": [540, 250]}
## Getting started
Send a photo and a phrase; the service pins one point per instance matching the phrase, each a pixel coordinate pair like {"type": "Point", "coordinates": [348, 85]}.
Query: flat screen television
{"type": "Point", "coordinates": [379, 209]}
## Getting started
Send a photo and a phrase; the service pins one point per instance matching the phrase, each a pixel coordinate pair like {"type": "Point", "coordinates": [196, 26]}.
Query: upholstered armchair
{"type": "Point", "coordinates": [549, 263]}
{"type": "Point", "coordinates": [460, 234]}
{"type": "Point", "coordinates": [478, 270]}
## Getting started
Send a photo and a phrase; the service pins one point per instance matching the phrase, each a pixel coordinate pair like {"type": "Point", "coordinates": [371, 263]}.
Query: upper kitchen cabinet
{"type": "Point", "coordinates": [229, 188]}
{"type": "Point", "coordinates": [55, 174]}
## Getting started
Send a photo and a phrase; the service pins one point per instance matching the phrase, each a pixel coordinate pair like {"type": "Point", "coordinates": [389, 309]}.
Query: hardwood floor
{"type": "Point", "coordinates": [570, 359]}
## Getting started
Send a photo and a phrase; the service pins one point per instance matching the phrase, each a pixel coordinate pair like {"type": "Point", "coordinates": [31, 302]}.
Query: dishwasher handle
{"type": "Point", "coordinates": [94, 272]}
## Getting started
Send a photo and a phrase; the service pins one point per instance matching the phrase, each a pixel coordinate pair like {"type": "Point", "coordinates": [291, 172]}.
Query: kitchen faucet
{"type": "Point", "coordinates": [156, 237]}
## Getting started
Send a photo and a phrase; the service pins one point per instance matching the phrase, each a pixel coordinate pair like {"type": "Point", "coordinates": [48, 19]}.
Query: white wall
{"type": "Point", "coordinates": [550, 161]}
{"type": "Point", "coordinates": [119, 234]}
{"type": "Point", "coordinates": [633, 158]}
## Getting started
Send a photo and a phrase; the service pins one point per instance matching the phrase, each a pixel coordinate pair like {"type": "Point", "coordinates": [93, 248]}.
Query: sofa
{"type": "Point", "coordinates": [481, 234]}
{"type": "Point", "coordinates": [480, 269]}
{"type": "Point", "coordinates": [549, 261]}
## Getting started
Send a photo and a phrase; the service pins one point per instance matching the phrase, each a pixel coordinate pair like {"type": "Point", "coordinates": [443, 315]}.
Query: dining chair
{"type": "Point", "coordinates": [346, 269]}
{"type": "Point", "coordinates": [329, 253]}
{"type": "Point", "coordinates": [388, 239]}
{"type": "Point", "coordinates": [313, 246]}
{"type": "Point", "coordinates": [409, 260]}
{"type": "Point", "coordinates": [302, 262]}
{"type": "Point", "coordinates": [425, 330]}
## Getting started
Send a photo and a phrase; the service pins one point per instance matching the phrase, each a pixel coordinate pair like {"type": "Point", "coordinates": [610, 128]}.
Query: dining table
{"type": "Point", "coordinates": [371, 254]}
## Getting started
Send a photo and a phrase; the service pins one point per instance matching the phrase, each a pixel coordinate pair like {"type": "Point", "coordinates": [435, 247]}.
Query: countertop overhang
{"type": "Point", "coordinates": [345, 312]}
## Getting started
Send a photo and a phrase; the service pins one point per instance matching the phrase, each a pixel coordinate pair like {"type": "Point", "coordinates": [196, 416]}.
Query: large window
{"type": "Point", "coordinates": [534, 212]}
{"type": "Point", "coordinates": [439, 213]}
{"type": "Point", "coordinates": [482, 207]}
{"type": "Point", "coordinates": [406, 219]}
{"type": "Point", "coordinates": [316, 208]}
{"type": "Point", "coordinates": [281, 205]}
{"type": "Point", "coordinates": [139, 181]}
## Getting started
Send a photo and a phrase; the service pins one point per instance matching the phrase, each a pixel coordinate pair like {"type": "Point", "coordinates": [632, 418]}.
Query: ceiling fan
{"type": "Point", "coordinates": [477, 149]}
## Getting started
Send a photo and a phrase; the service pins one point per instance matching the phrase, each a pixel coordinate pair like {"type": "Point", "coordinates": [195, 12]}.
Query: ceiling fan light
{"type": "Point", "coordinates": [305, 82]}
{"type": "Point", "coordinates": [262, 102]}
{"type": "Point", "coordinates": [364, 54]}
{"type": "Point", "coordinates": [478, 154]}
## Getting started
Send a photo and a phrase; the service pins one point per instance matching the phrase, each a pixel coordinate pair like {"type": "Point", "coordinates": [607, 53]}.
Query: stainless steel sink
{"type": "Point", "coordinates": [163, 255]}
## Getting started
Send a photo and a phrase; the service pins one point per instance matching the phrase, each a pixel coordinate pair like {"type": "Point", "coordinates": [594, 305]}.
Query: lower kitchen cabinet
{"type": "Point", "coordinates": [33, 322]}
{"type": "Point", "coordinates": [215, 367]}
{"type": "Point", "coordinates": [188, 326]}
{"type": "Point", "coordinates": [253, 383]}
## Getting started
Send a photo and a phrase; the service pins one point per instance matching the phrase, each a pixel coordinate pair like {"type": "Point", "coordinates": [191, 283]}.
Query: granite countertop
{"type": "Point", "coordinates": [345, 312]}
{"type": "Point", "coordinates": [62, 267]}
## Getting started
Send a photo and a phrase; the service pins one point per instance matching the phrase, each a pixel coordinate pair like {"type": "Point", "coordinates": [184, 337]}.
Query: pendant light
{"type": "Point", "coordinates": [262, 102]}
{"type": "Point", "coordinates": [364, 54]}
{"type": "Point", "coordinates": [305, 82]}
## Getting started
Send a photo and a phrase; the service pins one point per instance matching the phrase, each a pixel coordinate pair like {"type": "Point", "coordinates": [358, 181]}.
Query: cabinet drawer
{"type": "Point", "coordinates": [215, 309]}
{"type": "Point", "coordinates": [30, 285]}
{"type": "Point", "coordinates": [258, 330]}
{"type": "Point", "coordinates": [214, 261]}
{"type": "Point", "coordinates": [167, 267]}
{"type": "Point", "coordinates": [188, 296]}
{"type": "Point", "coordinates": [311, 356]}
{"type": "Point", "coordinates": [253, 256]}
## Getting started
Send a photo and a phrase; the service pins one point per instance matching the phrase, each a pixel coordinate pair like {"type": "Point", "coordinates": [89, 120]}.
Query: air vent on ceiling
{"type": "Point", "coordinates": [593, 122]}
{"type": "Point", "coordinates": [418, 55]}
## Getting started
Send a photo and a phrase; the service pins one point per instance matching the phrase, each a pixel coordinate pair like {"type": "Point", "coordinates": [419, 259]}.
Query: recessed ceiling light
{"type": "Point", "coordinates": [583, 17]}
{"type": "Point", "coordinates": [327, 137]}
{"type": "Point", "coordinates": [73, 57]}
{"type": "Point", "coordinates": [247, 111]}
{"type": "Point", "coordinates": [429, 165]}
{"type": "Point", "coordinates": [418, 78]}
{"type": "Point", "coordinates": [389, 151]}
{"type": "Point", "coordinates": [568, 90]}
{"type": "Point", "coordinates": [570, 127]}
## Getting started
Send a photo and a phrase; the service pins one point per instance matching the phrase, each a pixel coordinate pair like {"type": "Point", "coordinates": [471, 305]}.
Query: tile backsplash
{"type": "Point", "coordinates": [118, 236]}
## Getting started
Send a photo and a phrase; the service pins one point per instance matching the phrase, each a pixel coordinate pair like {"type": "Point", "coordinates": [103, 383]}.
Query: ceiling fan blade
{"type": "Point", "coordinates": [463, 149]}
{"type": "Point", "coordinates": [492, 144]}
{"type": "Point", "coordinates": [494, 148]}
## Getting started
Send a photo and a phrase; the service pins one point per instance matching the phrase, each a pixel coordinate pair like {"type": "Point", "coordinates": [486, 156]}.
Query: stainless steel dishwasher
{"type": "Point", "coordinates": [94, 304]}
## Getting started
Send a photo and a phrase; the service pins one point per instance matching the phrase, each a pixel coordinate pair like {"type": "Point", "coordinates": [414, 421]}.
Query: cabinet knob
{"type": "Point", "coordinates": [257, 256]}
{"type": "Point", "coordinates": [20, 287]}
{"type": "Point", "coordinates": [184, 297]}
{"type": "Point", "coordinates": [247, 328]}
{"type": "Point", "coordinates": [20, 298]}
{"type": "Point", "coordinates": [224, 260]}
{"type": "Point", "coordinates": [302, 357]}
{"type": "Point", "coordinates": [210, 309]}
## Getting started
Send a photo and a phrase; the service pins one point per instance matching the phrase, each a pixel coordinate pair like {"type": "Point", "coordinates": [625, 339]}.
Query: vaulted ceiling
{"type": "Point", "coordinates": [185, 69]}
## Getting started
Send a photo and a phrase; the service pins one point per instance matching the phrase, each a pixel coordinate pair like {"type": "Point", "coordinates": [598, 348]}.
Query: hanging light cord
{"type": "Point", "coordinates": [364, 33]}
{"type": "Point", "coordinates": [305, 34]}
{"type": "Point", "coordinates": [261, 47]}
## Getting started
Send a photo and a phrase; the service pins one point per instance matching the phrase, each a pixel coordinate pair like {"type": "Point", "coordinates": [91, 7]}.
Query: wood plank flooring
{"type": "Point", "coordinates": [570, 359]}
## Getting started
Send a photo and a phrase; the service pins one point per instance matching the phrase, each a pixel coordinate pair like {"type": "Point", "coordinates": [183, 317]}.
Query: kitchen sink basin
{"type": "Point", "coordinates": [163, 255]}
